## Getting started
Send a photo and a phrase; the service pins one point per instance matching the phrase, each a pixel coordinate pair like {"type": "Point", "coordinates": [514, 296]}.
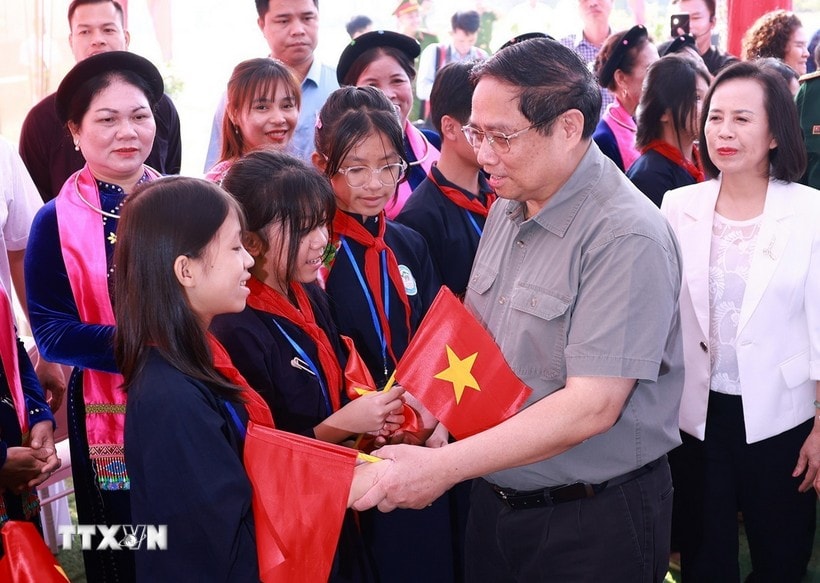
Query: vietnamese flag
{"type": "Point", "coordinates": [300, 488]}
{"type": "Point", "coordinates": [454, 367]}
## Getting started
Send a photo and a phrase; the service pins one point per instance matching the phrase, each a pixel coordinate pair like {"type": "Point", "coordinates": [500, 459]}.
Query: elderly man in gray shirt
{"type": "Point", "coordinates": [577, 278]}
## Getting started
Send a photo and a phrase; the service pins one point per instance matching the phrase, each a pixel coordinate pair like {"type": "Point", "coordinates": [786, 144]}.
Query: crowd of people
{"type": "Point", "coordinates": [634, 222]}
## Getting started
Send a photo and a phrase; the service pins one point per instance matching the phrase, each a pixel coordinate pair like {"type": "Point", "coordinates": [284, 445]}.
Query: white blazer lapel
{"type": "Point", "coordinates": [695, 242]}
{"type": "Point", "coordinates": [771, 242]}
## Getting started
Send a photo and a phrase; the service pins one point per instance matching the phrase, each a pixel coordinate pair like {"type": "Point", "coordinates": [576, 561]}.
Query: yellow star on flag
{"type": "Point", "coordinates": [459, 372]}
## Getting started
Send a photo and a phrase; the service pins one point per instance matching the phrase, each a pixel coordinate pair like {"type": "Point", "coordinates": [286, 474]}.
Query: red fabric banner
{"type": "Point", "coordinates": [300, 489]}
{"type": "Point", "coordinates": [456, 370]}
{"type": "Point", "coordinates": [27, 558]}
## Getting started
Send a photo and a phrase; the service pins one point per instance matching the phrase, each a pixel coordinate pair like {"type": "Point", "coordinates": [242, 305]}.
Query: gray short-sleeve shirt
{"type": "Point", "coordinates": [587, 287]}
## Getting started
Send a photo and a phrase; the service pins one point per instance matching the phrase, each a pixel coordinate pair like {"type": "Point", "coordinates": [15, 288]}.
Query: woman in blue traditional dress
{"type": "Point", "coordinates": [107, 103]}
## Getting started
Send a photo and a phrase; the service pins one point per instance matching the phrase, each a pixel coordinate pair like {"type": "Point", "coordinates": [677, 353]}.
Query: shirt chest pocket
{"type": "Point", "coordinates": [481, 279]}
{"type": "Point", "coordinates": [541, 322]}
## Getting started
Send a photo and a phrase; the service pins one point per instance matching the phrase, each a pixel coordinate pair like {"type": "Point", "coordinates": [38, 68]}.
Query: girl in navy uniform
{"type": "Point", "coordinates": [285, 342]}
{"type": "Point", "coordinates": [184, 426]}
{"type": "Point", "coordinates": [381, 283]}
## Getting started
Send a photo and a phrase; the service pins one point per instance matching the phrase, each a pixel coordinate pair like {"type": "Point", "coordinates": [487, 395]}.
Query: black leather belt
{"type": "Point", "coordinates": [520, 500]}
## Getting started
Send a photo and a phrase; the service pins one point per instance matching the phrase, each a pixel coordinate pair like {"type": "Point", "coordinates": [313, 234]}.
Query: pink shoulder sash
{"type": "Point", "coordinates": [426, 154]}
{"type": "Point", "coordinates": [82, 242]}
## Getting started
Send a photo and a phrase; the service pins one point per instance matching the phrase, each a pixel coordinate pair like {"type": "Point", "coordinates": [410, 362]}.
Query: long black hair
{"type": "Point", "coordinates": [161, 221]}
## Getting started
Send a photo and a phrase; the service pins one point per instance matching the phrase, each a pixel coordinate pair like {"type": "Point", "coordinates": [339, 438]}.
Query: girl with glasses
{"type": "Point", "coordinates": [284, 342]}
{"type": "Point", "coordinates": [381, 282]}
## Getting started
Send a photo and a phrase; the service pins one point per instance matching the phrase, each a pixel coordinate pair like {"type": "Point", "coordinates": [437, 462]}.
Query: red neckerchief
{"type": "Point", "coordinates": [255, 405]}
{"type": "Point", "coordinates": [348, 226]}
{"type": "Point", "coordinates": [266, 299]}
{"type": "Point", "coordinates": [673, 154]}
{"type": "Point", "coordinates": [459, 199]}
{"type": "Point", "coordinates": [8, 355]}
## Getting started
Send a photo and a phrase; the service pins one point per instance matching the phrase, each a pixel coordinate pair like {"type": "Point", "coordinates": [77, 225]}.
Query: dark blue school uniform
{"type": "Point", "coordinates": [654, 174]}
{"type": "Point", "coordinates": [407, 546]}
{"type": "Point", "coordinates": [262, 353]}
{"type": "Point", "coordinates": [183, 447]}
{"type": "Point", "coordinates": [260, 350]}
{"type": "Point", "coordinates": [451, 232]}
{"type": "Point", "coordinates": [349, 302]}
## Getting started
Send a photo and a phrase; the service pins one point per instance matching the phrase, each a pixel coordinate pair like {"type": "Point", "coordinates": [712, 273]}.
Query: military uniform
{"type": "Point", "coordinates": [808, 107]}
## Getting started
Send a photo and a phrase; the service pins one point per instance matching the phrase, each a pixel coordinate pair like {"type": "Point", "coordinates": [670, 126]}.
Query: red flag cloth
{"type": "Point", "coordinates": [27, 559]}
{"type": "Point", "coordinates": [300, 488]}
{"type": "Point", "coordinates": [456, 370]}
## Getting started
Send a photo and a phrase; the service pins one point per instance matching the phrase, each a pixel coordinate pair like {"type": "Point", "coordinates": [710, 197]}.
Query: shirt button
{"type": "Point", "coordinates": [520, 244]}
{"type": "Point", "coordinates": [703, 347]}
{"type": "Point", "coordinates": [502, 300]}
{"type": "Point", "coordinates": [534, 302]}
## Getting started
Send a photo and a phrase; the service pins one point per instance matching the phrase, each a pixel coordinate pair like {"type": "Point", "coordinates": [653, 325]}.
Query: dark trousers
{"type": "Point", "coordinates": [723, 475]}
{"type": "Point", "coordinates": [618, 535]}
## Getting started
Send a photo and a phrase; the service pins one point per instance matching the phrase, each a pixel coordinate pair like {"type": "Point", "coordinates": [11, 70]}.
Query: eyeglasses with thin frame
{"type": "Point", "coordinates": [388, 175]}
{"type": "Point", "coordinates": [499, 142]}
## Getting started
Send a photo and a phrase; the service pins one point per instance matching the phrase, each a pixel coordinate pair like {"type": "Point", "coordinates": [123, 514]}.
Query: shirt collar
{"type": "Point", "coordinates": [314, 74]}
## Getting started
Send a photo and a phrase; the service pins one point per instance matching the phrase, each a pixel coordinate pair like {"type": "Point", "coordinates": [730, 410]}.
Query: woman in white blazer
{"type": "Point", "coordinates": [750, 314]}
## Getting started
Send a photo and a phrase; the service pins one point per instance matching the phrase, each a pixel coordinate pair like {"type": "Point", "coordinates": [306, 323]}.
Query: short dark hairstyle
{"type": "Point", "coordinates": [370, 55]}
{"type": "Point", "coordinates": [349, 115]}
{"type": "Point", "coordinates": [276, 188]}
{"type": "Point", "coordinates": [552, 79]}
{"type": "Point", "coordinates": [162, 220]}
{"type": "Point", "coordinates": [469, 21]}
{"type": "Point", "coordinates": [452, 93]}
{"type": "Point", "coordinates": [711, 6]}
{"type": "Point", "coordinates": [250, 78]}
{"type": "Point", "coordinates": [770, 34]}
{"type": "Point", "coordinates": [262, 7]}
{"type": "Point", "coordinates": [81, 100]}
{"type": "Point", "coordinates": [72, 8]}
{"type": "Point", "coordinates": [357, 23]}
{"type": "Point", "coordinates": [788, 159]}
{"type": "Point", "coordinates": [670, 85]}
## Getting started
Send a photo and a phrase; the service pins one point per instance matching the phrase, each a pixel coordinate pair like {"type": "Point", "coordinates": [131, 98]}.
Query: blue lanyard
{"type": "Point", "coordinates": [373, 314]}
{"type": "Point", "coordinates": [236, 420]}
{"type": "Point", "coordinates": [473, 221]}
{"type": "Point", "coordinates": [303, 355]}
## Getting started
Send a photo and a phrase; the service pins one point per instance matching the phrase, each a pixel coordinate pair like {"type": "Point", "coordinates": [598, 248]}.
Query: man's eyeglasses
{"type": "Point", "coordinates": [388, 175]}
{"type": "Point", "coordinates": [498, 141]}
